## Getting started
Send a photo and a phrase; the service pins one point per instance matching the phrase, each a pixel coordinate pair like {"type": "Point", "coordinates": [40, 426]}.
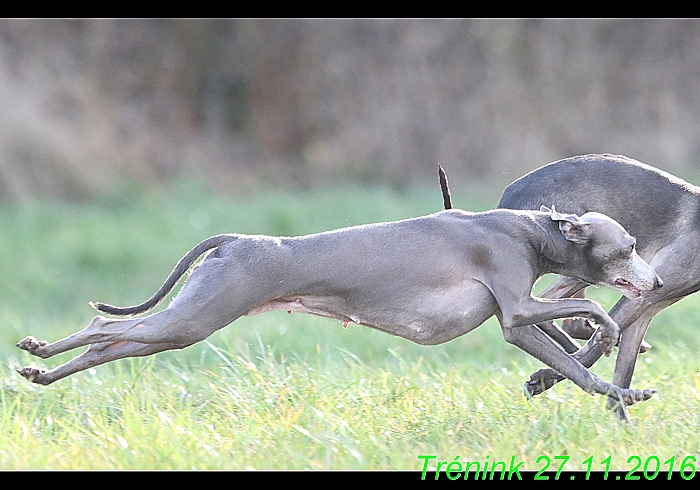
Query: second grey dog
{"type": "Point", "coordinates": [659, 209]}
{"type": "Point", "coordinates": [428, 279]}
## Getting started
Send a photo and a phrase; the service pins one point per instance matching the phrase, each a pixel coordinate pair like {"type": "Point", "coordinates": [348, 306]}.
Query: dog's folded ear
{"type": "Point", "coordinates": [571, 226]}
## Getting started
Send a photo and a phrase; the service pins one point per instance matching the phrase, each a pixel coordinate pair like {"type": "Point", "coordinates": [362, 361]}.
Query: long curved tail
{"type": "Point", "coordinates": [182, 266]}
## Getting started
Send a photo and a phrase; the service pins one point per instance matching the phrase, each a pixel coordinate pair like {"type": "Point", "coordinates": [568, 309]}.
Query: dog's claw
{"type": "Point", "coordinates": [32, 345]}
{"type": "Point", "coordinates": [32, 374]}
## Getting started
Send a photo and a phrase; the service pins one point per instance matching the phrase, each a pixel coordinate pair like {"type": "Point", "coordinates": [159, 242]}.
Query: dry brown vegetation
{"type": "Point", "coordinates": [88, 103]}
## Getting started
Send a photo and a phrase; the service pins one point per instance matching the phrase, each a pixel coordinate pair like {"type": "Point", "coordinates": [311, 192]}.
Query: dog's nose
{"type": "Point", "coordinates": [659, 283]}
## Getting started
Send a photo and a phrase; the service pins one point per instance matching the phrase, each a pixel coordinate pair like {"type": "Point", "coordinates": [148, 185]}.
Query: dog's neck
{"type": "Point", "coordinates": [557, 254]}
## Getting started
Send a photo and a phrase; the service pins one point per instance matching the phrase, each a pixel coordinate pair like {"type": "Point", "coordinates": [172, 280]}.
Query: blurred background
{"type": "Point", "coordinates": [89, 104]}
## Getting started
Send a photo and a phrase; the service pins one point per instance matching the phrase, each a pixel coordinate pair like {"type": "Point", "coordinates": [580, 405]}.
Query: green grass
{"type": "Point", "coordinates": [278, 391]}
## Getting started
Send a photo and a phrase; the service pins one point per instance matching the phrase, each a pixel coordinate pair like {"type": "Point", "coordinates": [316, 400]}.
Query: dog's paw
{"type": "Point", "coordinates": [32, 345]}
{"type": "Point", "coordinates": [540, 381]}
{"type": "Point", "coordinates": [607, 338]}
{"type": "Point", "coordinates": [619, 399]}
{"type": "Point", "coordinates": [531, 389]}
{"type": "Point", "coordinates": [628, 397]}
{"type": "Point", "coordinates": [33, 374]}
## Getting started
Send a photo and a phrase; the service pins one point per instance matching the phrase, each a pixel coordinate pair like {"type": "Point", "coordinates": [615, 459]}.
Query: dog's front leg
{"type": "Point", "coordinates": [580, 328]}
{"type": "Point", "coordinates": [518, 329]}
{"type": "Point", "coordinates": [539, 308]}
{"type": "Point", "coordinates": [563, 287]}
{"type": "Point", "coordinates": [531, 311]}
{"type": "Point", "coordinates": [633, 318]}
{"type": "Point", "coordinates": [545, 378]}
{"type": "Point", "coordinates": [536, 343]}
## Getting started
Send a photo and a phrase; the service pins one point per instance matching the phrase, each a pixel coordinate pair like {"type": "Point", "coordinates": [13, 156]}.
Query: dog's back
{"type": "Point", "coordinates": [628, 191]}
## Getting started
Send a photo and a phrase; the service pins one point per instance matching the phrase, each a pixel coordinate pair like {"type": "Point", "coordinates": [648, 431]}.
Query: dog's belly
{"type": "Point", "coordinates": [439, 316]}
{"type": "Point", "coordinates": [430, 317]}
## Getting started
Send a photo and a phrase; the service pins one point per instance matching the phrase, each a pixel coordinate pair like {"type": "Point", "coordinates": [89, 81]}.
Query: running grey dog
{"type": "Point", "coordinates": [428, 279]}
{"type": "Point", "coordinates": [659, 209]}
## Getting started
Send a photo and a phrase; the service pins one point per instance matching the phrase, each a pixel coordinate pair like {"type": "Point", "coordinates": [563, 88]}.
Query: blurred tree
{"type": "Point", "coordinates": [87, 103]}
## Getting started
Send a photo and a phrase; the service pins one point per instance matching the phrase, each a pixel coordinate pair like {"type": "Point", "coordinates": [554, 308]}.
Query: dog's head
{"type": "Point", "coordinates": [605, 253]}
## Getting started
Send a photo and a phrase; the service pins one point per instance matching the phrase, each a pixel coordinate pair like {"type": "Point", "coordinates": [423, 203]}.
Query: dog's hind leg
{"type": "Point", "coordinates": [96, 354]}
{"type": "Point", "coordinates": [215, 295]}
{"type": "Point", "coordinates": [99, 330]}
{"type": "Point", "coordinates": [630, 342]}
{"type": "Point", "coordinates": [109, 340]}
{"type": "Point", "coordinates": [114, 339]}
{"type": "Point", "coordinates": [159, 328]}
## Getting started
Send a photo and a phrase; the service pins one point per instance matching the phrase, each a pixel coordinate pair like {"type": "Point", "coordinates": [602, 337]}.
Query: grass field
{"type": "Point", "coordinates": [278, 391]}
